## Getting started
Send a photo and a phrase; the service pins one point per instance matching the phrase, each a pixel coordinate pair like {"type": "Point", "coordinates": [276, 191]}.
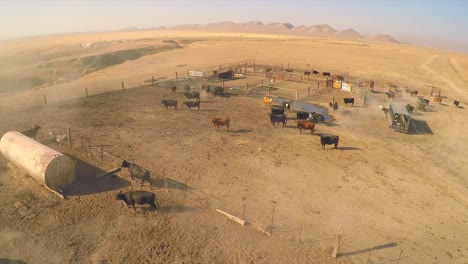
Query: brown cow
{"type": "Point", "coordinates": [219, 121]}
{"type": "Point", "coordinates": [306, 125]}
{"type": "Point", "coordinates": [438, 99]}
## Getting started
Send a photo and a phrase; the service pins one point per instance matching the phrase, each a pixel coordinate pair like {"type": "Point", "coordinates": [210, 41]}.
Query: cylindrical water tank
{"type": "Point", "coordinates": [55, 170]}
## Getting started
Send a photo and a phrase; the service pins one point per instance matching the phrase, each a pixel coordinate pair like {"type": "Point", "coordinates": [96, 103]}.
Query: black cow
{"type": "Point", "coordinates": [390, 94]}
{"type": "Point", "coordinates": [334, 105]}
{"type": "Point", "coordinates": [190, 95]}
{"type": "Point", "coordinates": [191, 104]}
{"type": "Point", "coordinates": [31, 132]}
{"type": "Point", "coordinates": [137, 172]}
{"type": "Point", "coordinates": [325, 73]}
{"type": "Point", "coordinates": [187, 88]}
{"type": "Point", "coordinates": [413, 92]}
{"type": "Point", "coordinates": [174, 88]}
{"type": "Point", "coordinates": [329, 140]}
{"type": "Point", "coordinates": [349, 101]}
{"type": "Point", "coordinates": [138, 197]}
{"type": "Point", "coordinates": [302, 115]}
{"type": "Point", "coordinates": [315, 72]}
{"type": "Point", "coordinates": [456, 103]}
{"type": "Point", "coordinates": [316, 117]}
{"type": "Point", "coordinates": [307, 73]}
{"type": "Point", "coordinates": [168, 103]}
{"type": "Point", "coordinates": [277, 111]}
{"type": "Point", "coordinates": [208, 89]}
{"type": "Point", "coordinates": [409, 108]}
{"type": "Point", "coordinates": [289, 70]}
{"type": "Point", "coordinates": [219, 90]}
{"type": "Point", "coordinates": [278, 119]}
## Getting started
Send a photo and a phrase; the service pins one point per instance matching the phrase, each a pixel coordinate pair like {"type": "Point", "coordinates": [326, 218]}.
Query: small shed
{"type": "Point", "coordinates": [398, 117]}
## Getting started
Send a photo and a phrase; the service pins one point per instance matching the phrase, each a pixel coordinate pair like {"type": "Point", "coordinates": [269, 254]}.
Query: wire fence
{"type": "Point", "coordinates": [269, 221]}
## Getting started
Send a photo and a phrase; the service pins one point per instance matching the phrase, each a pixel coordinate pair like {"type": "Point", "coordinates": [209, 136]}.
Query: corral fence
{"type": "Point", "coordinates": [273, 221]}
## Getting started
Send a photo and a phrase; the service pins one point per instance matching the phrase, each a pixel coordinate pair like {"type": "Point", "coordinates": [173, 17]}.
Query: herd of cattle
{"type": "Point", "coordinates": [218, 90]}
{"type": "Point", "coordinates": [304, 120]}
{"type": "Point", "coordinates": [421, 103]}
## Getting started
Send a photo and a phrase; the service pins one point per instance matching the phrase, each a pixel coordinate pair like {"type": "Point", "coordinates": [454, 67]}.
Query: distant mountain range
{"type": "Point", "coordinates": [280, 28]}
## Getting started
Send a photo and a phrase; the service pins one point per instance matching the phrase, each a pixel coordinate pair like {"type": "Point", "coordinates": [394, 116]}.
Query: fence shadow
{"type": "Point", "coordinates": [11, 261]}
{"type": "Point", "coordinates": [87, 182]}
{"type": "Point", "coordinates": [357, 252]}
{"type": "Point", "coordinates": [419, 127]}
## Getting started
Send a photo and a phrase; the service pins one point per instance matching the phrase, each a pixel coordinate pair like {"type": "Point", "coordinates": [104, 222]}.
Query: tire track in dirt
{"type": "Point", "coordinates": [443, 79]}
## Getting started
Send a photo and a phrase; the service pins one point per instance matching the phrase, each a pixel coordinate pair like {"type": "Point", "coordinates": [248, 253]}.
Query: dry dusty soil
{"type": "Point", "coordinates": [391, 191]}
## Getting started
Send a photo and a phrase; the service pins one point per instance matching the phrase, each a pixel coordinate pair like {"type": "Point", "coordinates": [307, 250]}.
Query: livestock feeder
{"type": "Point", "coordinates": [398, 117]}
{"type": "Point", "coordinates": [53, 169]}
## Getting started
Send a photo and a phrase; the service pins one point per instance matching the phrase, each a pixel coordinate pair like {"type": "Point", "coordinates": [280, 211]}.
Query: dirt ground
{"type": "Point", "coordinates": [390, 191]}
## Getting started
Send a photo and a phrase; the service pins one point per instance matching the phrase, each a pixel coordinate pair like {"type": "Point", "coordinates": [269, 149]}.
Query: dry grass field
{"type": "Point", "coordinates": [391, 191]}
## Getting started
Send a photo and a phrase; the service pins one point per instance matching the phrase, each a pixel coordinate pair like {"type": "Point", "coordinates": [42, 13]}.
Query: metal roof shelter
{"type": "Point", "coordinates": [398, 117]}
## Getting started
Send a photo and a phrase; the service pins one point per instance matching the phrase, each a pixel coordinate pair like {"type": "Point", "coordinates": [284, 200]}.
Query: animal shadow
{"type": "Point", "coordinates": [176, 209]}
{"type": "Point", "coordinates": [202, 110]}
{"type": "Point", "coordinates": [240, 131]}
{"type": "Point", "coordinates": [347, 148]}
{"type": "Point", "coordinates": [88, 182]}
{"type": "Point", "coordinates": [330, 124]}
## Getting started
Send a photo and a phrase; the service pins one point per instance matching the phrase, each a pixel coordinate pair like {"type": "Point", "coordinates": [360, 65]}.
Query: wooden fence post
{"type": "Point", "coordinates": [308, 91]}
{"type": "Point", "coordinates": [69, 137]}
{"type": "Point", "coordinates": [102, 152]}
{"type": "Point", "coordinates": [337, 242]}
{"type": "Point", "coordinates": [89, 147]}
{"type": "Point", "coordinates": [272, 220]}
{"type": "Point", "coordinates": [123, 86]}
{"type": "Point", "coordinates": [243, 214]}
{"type": "Point", "coordinates": [45, 100]}
{"type": "Point", "coordinates": [87, 95]}
{"type": "Point", "coordinates": [268, 89]}
{"type": "Point", "coordinates": [370, 253]}
{"type": "Point", "coordinates": [300, 231]}
{"type": "Point", "coordinates": [247, 87]}
{"type": "Point", "coordinates": [399, 257]}
{"type": "Point", "coordinates": [176, 76]}
{"type": "Point", "coordinates": [223, 83]}
{"type": "Point", "coordinates": [152, 80]}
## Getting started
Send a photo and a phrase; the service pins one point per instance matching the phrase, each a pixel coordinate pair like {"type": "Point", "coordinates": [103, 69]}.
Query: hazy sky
{"type": "Point", "coordinates": [442, 19]}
